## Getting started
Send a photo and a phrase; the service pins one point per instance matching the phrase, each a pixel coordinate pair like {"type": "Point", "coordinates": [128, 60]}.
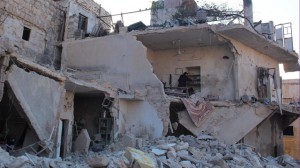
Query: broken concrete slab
{"type": "Point", "coordinates": [223, 122]}
{"type": "Point", "coordinates": [38, 68]}
{"type": "Point", "coordinates": [82, 143]}
{"type": "Point", "coordinates": [39, 97]}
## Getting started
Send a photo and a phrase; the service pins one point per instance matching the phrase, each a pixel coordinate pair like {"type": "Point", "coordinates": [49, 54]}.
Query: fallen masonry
{"type": "Point", "coordinates": [182, 152]}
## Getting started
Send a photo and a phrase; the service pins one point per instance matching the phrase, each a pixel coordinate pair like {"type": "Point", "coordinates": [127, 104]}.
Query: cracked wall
{"type": "Point", "coordinates": [248, 60]}
{"type": "Point", "coordinates": [127, 58]}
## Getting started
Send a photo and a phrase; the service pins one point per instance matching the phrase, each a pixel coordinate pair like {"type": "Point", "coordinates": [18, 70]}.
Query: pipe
{"type": "Point", "coordinates": [248, 12]}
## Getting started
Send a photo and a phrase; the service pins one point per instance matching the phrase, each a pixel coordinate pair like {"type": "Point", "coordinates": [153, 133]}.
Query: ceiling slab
{"type": "Point", "coordinates": [257, 42]}
{"type": "Point", "coordinates": [183, 37]}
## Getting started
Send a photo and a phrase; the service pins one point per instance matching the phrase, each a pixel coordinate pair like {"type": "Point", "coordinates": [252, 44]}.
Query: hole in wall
{"type": "Point", "coordinates": [225, 57]}
{"type": "Point", "coordinates": [178, 129]}
{"type": "Point", "coordinates": [26, 33]}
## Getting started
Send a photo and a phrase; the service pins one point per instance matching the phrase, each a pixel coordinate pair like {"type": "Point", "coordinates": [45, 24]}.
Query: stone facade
{"type": "Point", "coordinates": [34, 28]}
{"type": "Point", "coordinates": [92, 11]}
{"type": "Point", "coordinates": [44, 18]}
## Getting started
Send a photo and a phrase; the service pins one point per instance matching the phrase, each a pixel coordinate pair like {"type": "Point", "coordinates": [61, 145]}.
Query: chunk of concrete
{"type": "Point", "coordinates": [21, 161]}
{"type": "Point", "coordinates": [98, 161]}
{"type": "Point", "coordinates": [140, 158]}
{"type": "Point", "coordinates": [172, 154]}
{"type": "Point", "coordinates": [159, 152]}
{"type": "Point", "coordinates": [5, 159]}
{"type": "Point", "coordinates": [82, 142]}
{"type": "Point", "coordinates": [186, 164]}
{"type": "Point", "coordinates": [128, 141]}
{"type": "Point", "coordinates": [182, 146]}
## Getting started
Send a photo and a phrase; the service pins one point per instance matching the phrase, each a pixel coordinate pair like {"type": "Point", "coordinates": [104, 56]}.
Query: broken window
{"type": "Point", "coordinates": [289, 131]}
{"type": "Point", "coordinates": [82, 23]}
{"type": "Point", "coordinates": [267, 84]}
{"type": "Point", "coordinates": [26, 33]}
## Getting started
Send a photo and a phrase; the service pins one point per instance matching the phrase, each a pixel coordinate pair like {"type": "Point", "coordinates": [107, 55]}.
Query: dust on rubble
{"type": "Point", "coordinates": [182, 152]}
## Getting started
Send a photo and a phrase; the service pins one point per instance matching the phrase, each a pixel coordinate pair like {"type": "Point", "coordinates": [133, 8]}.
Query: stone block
{"type": "Point", "coordinates": [98, 161]}
{"type": "Point", "coordinates": [82, 142]}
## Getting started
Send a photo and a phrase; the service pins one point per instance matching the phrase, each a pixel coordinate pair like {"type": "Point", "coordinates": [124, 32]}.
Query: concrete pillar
{"type": "Point", "coordinates": [236, 78]}
{"type": "Point", "coordinates": [248, 12]}
{"type": "Point", "coordinates": [4, 62]}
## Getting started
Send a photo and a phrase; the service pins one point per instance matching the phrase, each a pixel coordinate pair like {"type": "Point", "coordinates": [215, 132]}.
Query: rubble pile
{"type": "Point", "coordinates": [28, 161]}
{"type": "Point", "coordinates": [168, 152]}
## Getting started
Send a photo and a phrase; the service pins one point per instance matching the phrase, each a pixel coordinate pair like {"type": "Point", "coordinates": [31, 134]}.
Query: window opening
{"type": "Point", "coordinates": [26, 33]}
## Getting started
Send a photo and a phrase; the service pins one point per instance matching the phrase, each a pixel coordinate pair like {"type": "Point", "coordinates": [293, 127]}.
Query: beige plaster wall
{"type": "Point", "coordinates": [290, 90]}
{"type": "Point", "coordinates": [136, 117]}
{"type": "Point", "coordinates": [267, 137]}
{"type": "Point", "coordinates": [248, 61]}
{"type": "Point", "coordinates": [216, 72]}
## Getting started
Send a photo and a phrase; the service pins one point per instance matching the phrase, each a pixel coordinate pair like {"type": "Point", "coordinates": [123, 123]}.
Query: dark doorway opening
{"type": "Point", "coordinates": [92, 112]}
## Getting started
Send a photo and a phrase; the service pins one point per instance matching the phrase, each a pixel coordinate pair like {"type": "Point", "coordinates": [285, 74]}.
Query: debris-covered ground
{"type": "Point", "coordinates": [185, 151]}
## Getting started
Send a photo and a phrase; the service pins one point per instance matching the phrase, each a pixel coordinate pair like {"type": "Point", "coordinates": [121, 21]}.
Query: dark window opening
{"type": "Point", "coordinates": [26, 33]}
{"type": "Point", "coordinates": [82, 23]}
{"type": "Point", "coordinates": [289, 131]}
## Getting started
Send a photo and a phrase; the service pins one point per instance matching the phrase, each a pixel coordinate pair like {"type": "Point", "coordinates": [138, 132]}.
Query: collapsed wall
{"type": "Point", "coordinates": [124, 67]}
{"type": "Point", "coordinates": [39, 97]}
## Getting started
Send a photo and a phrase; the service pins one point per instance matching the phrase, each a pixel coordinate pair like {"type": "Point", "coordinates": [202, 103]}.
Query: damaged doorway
{"type": "Point", "coordinates": [15, 131]}
{"type": "Point", "coordinates": [177, 128]}
{"type": "Point", "coordinates": [92, 113]}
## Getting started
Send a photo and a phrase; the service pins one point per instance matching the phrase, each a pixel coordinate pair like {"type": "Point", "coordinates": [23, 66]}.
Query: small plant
{"type": "Point", "coordinates": [156, 5]}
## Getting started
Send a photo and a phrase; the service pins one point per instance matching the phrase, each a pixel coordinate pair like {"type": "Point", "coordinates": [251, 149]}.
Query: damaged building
{"type": "Point", "coordinates": [66, 85]}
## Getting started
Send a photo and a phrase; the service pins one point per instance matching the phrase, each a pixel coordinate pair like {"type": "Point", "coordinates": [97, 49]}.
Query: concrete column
{"type": "Point", "coordinates": [236, 77]}
{"type": "Point", "coordinates": [248, 12]}
{"type": "Point", "coordinates": [4, 62]}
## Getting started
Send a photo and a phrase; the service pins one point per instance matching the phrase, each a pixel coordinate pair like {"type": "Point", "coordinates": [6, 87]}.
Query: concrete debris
{"type": "Point", "coordinates": [159, 152]}
{"type": "Point", "coordinates": [82, 142]}
{"type": "Point", "coordinates": [98, 161]}
{"type": "Point", "coordinates": [28, 161]}
{"type": "Point", "coordinates": [182, 152]}
{"type": "Point", "coordinates": [139, 158]}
